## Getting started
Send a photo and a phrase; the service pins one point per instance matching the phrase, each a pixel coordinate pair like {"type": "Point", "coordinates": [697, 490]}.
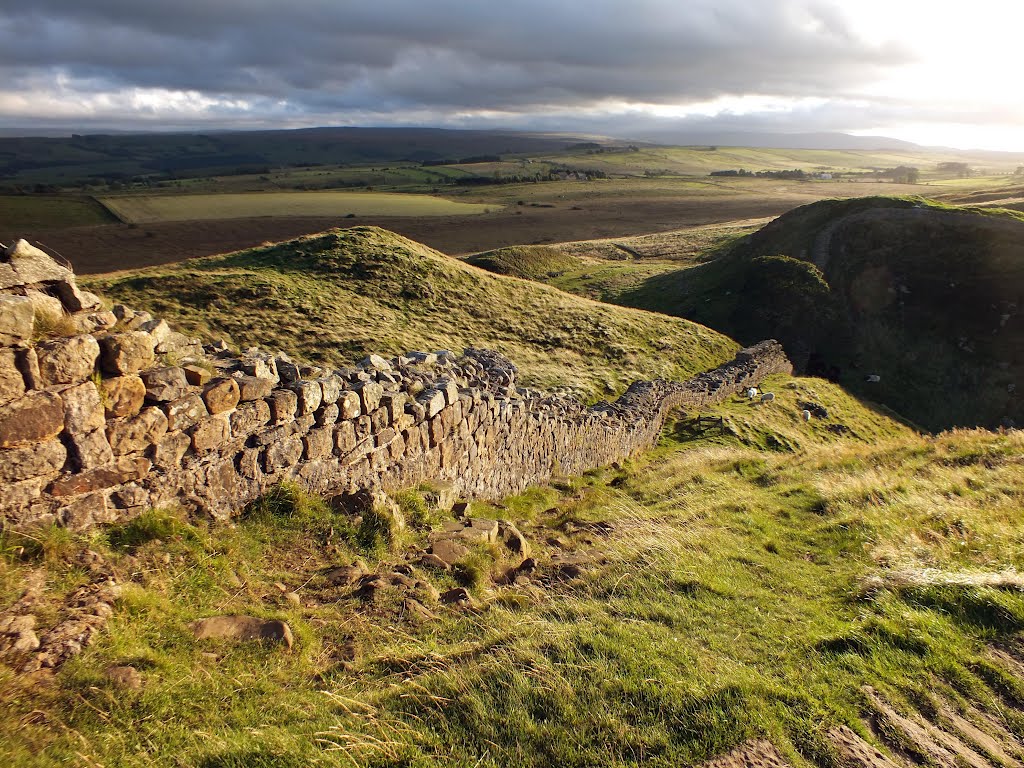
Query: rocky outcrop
{"type": "Point", "coordinates": [121, 413]}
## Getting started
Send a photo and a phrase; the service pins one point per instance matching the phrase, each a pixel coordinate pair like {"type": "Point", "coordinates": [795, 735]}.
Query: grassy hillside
{"type": "Point", "coordinates": [714, 592]}
{"type": "Point", "coordinates": [339, 295]}
{"type": "Point", "coordinates": [531, 262]}
{"type": "Point", "coordinates": [926, 295]}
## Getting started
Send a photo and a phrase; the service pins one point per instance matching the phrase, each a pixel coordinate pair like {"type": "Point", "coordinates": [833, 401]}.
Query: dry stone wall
{"type": "Point", "coordinates": [104, 413]}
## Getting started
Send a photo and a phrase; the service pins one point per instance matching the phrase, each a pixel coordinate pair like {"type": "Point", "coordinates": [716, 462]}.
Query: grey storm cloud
{"type": "Point", "coordinates": [323, 56]}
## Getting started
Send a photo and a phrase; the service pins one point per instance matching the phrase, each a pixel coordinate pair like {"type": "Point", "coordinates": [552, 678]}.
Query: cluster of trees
{"type": "Point", "coordinates": [519, 178]}
{"type": "Point", "coordinates": [902, 174]}
{"type": "Point", "coordinates": [464, 160]}
{"type": "Point", "coordinates": [796, 173]}
{"type": "Point", "coordinates": [960, 170]}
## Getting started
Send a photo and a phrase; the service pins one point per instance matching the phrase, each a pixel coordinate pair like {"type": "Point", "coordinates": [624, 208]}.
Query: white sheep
{"type": "Point", "coordinates": [806, 415]}
{"type": "Point", "coordinates": [767, 397]}
{"type": "Point", "coordinates": [752, 393]}
{"type": "Point", "coordinates": [873, 378]}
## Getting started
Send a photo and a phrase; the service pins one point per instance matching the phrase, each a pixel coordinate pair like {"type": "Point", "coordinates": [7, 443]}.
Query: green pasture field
{"type": "Point", "coordinates": [22, 213]}
{"type": "Point", "coordinates": [145, 209]}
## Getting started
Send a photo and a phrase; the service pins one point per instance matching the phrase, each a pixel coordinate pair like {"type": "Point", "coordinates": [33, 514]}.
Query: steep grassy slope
{"type": "Point", "coordinates": [711, 593]}
{"type": "Point", "coordinates": [925, 295]}
{"type": "Point", "coordinates": [339, 295]}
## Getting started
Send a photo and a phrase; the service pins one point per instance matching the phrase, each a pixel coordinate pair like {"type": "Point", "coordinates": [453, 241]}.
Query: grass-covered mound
{"type": "Point", "coordinates": [719, 592]}
{"type": "Point", "coordinates": [530, 262]}
{"type": "Point", "coordinates": [336, 296]}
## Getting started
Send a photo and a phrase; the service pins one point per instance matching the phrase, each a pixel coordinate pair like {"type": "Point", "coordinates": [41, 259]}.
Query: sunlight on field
{"type": "Point", "coordinates": [145, 209]}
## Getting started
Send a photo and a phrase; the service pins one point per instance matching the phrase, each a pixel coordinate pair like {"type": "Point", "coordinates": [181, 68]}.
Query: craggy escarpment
{"type": "Point", "coordinates": [106, 413]}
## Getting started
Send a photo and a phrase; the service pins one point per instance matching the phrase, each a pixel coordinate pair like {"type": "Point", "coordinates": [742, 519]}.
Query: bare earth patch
{"type": "Point", "coordinates": [753, 754]}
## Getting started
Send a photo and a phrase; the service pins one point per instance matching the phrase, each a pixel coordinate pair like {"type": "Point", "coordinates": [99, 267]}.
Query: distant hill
{"type": "Point", "coordinates": [93, 157]}
{"type": "Point", "coordinates": [339, 295]}
{"type": "Point", "coordinates": [843, 141]}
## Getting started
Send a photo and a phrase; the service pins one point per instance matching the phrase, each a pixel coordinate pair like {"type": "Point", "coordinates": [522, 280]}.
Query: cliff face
{"type": "Point", "coordinates": [106, 413]}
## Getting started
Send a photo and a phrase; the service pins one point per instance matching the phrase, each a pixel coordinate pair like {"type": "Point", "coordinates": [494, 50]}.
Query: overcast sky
{"type": "Point", "coordinates": [923, 70]}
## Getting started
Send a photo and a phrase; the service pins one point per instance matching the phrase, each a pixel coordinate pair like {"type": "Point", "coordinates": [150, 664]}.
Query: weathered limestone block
{"type": "Point", "coordinates": [39, 460]}
{"type": "Point", "coordinates": [12, 382]}
{"type": "Point", "coordinates": [67, 360]}
{"type": "Point", "coordinates": [251, 388]}
{"type": "Point", "coordinates": [83, 410]}
{"type": "Point", "coordinates": [375, 361]}
{"type": "Point", "coordinates": [283, 403]}
{"type": "Point", "coordinates": [124, 470]}
{"type": "Point", "coordinates": [370, 393]}
{"type": "Point", "coordinates": [363, 427]}
{"type": "Point", "coordinates": [164, 384]}
{"type": "Point", "coordinates": [248, 462]}
{"type": "Point", "coordinates": [243, 628]}
{"type": "Point", "coordinates": [276, 434]}
{"type": "Point", "coordinates": [33, 265]}
{"type": "Point", "coordinates": [16, 320]}
{"type": "Point", "coordinates": [489, 528]}
{"type": "Point", "coordinates": [361, 449]}
{"type": "Point", "coordinates": [394, 403]}
{"type": "Point", "coordinates": [416, 410]}
{"type": "Point", "coordinates": [345, 437]}
{"type": "Point", "coordinates": [282, 454]}
{"type": "Point", "coordinates": [330, 387]}
{"type": "Point", "coordinates": [250, 417]}
{"type": "Point", "coordinates": [169, 451]}
{"type": "Point", "coordinates": [210, 433]}
{"type": "Point", "coordinates": [8, 277]}
{"type": "Point", "coordinates": [432, 401]}
{"type": "Point", "coordinates": [448, 551]}
{"type": "Point", "coordinates": [437, 430]}
{"type": "Point", "coordinates": [379, 419]}
{"type": "Point", "coordinates": [261, 367]}
{"type": "Point", "coordinates": [221, 395]}
{"type": "Point", "coordinates": [157, 328]}
{"type": "Point", "coordinates": [137, 433]}
{"type": "Point", "coordinates": [86, 511]}
{"type": "Point", "coordinates": [36, 417]}
{"type": "Point", "coordinates": [196, 375]}
{"type": "Point", "coordinates": [287, 370]}
{"type": "Point", "coordinates": [450, 390]}
{"type": "Point", "coordinates": [45, 305]}
{"type": "Point", "coordinates": [123, 396]}
{"type": "Point", "coordinates": [74, 299]}
{"type": "Point", "coordinates": [175, 343]}
{"type": "Point", "coordinates": [318, 443]}
{"type": "Point", "coordinates": [126, 353]}
{"type": "Point", "coordinates": [350, 405]}
{"type": "Point", "coordinates": [310, 395]}
{"type": "Point", "coordinates": [90, 449]}
{"type": "Point", "coordinates": [396, 445]}
{"type": "Point", "coordinates": [94, 322]}
{"type": "Point", "coordinates": [185, 411]}
{"type": "Point", "coordinates": [327, 414]}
